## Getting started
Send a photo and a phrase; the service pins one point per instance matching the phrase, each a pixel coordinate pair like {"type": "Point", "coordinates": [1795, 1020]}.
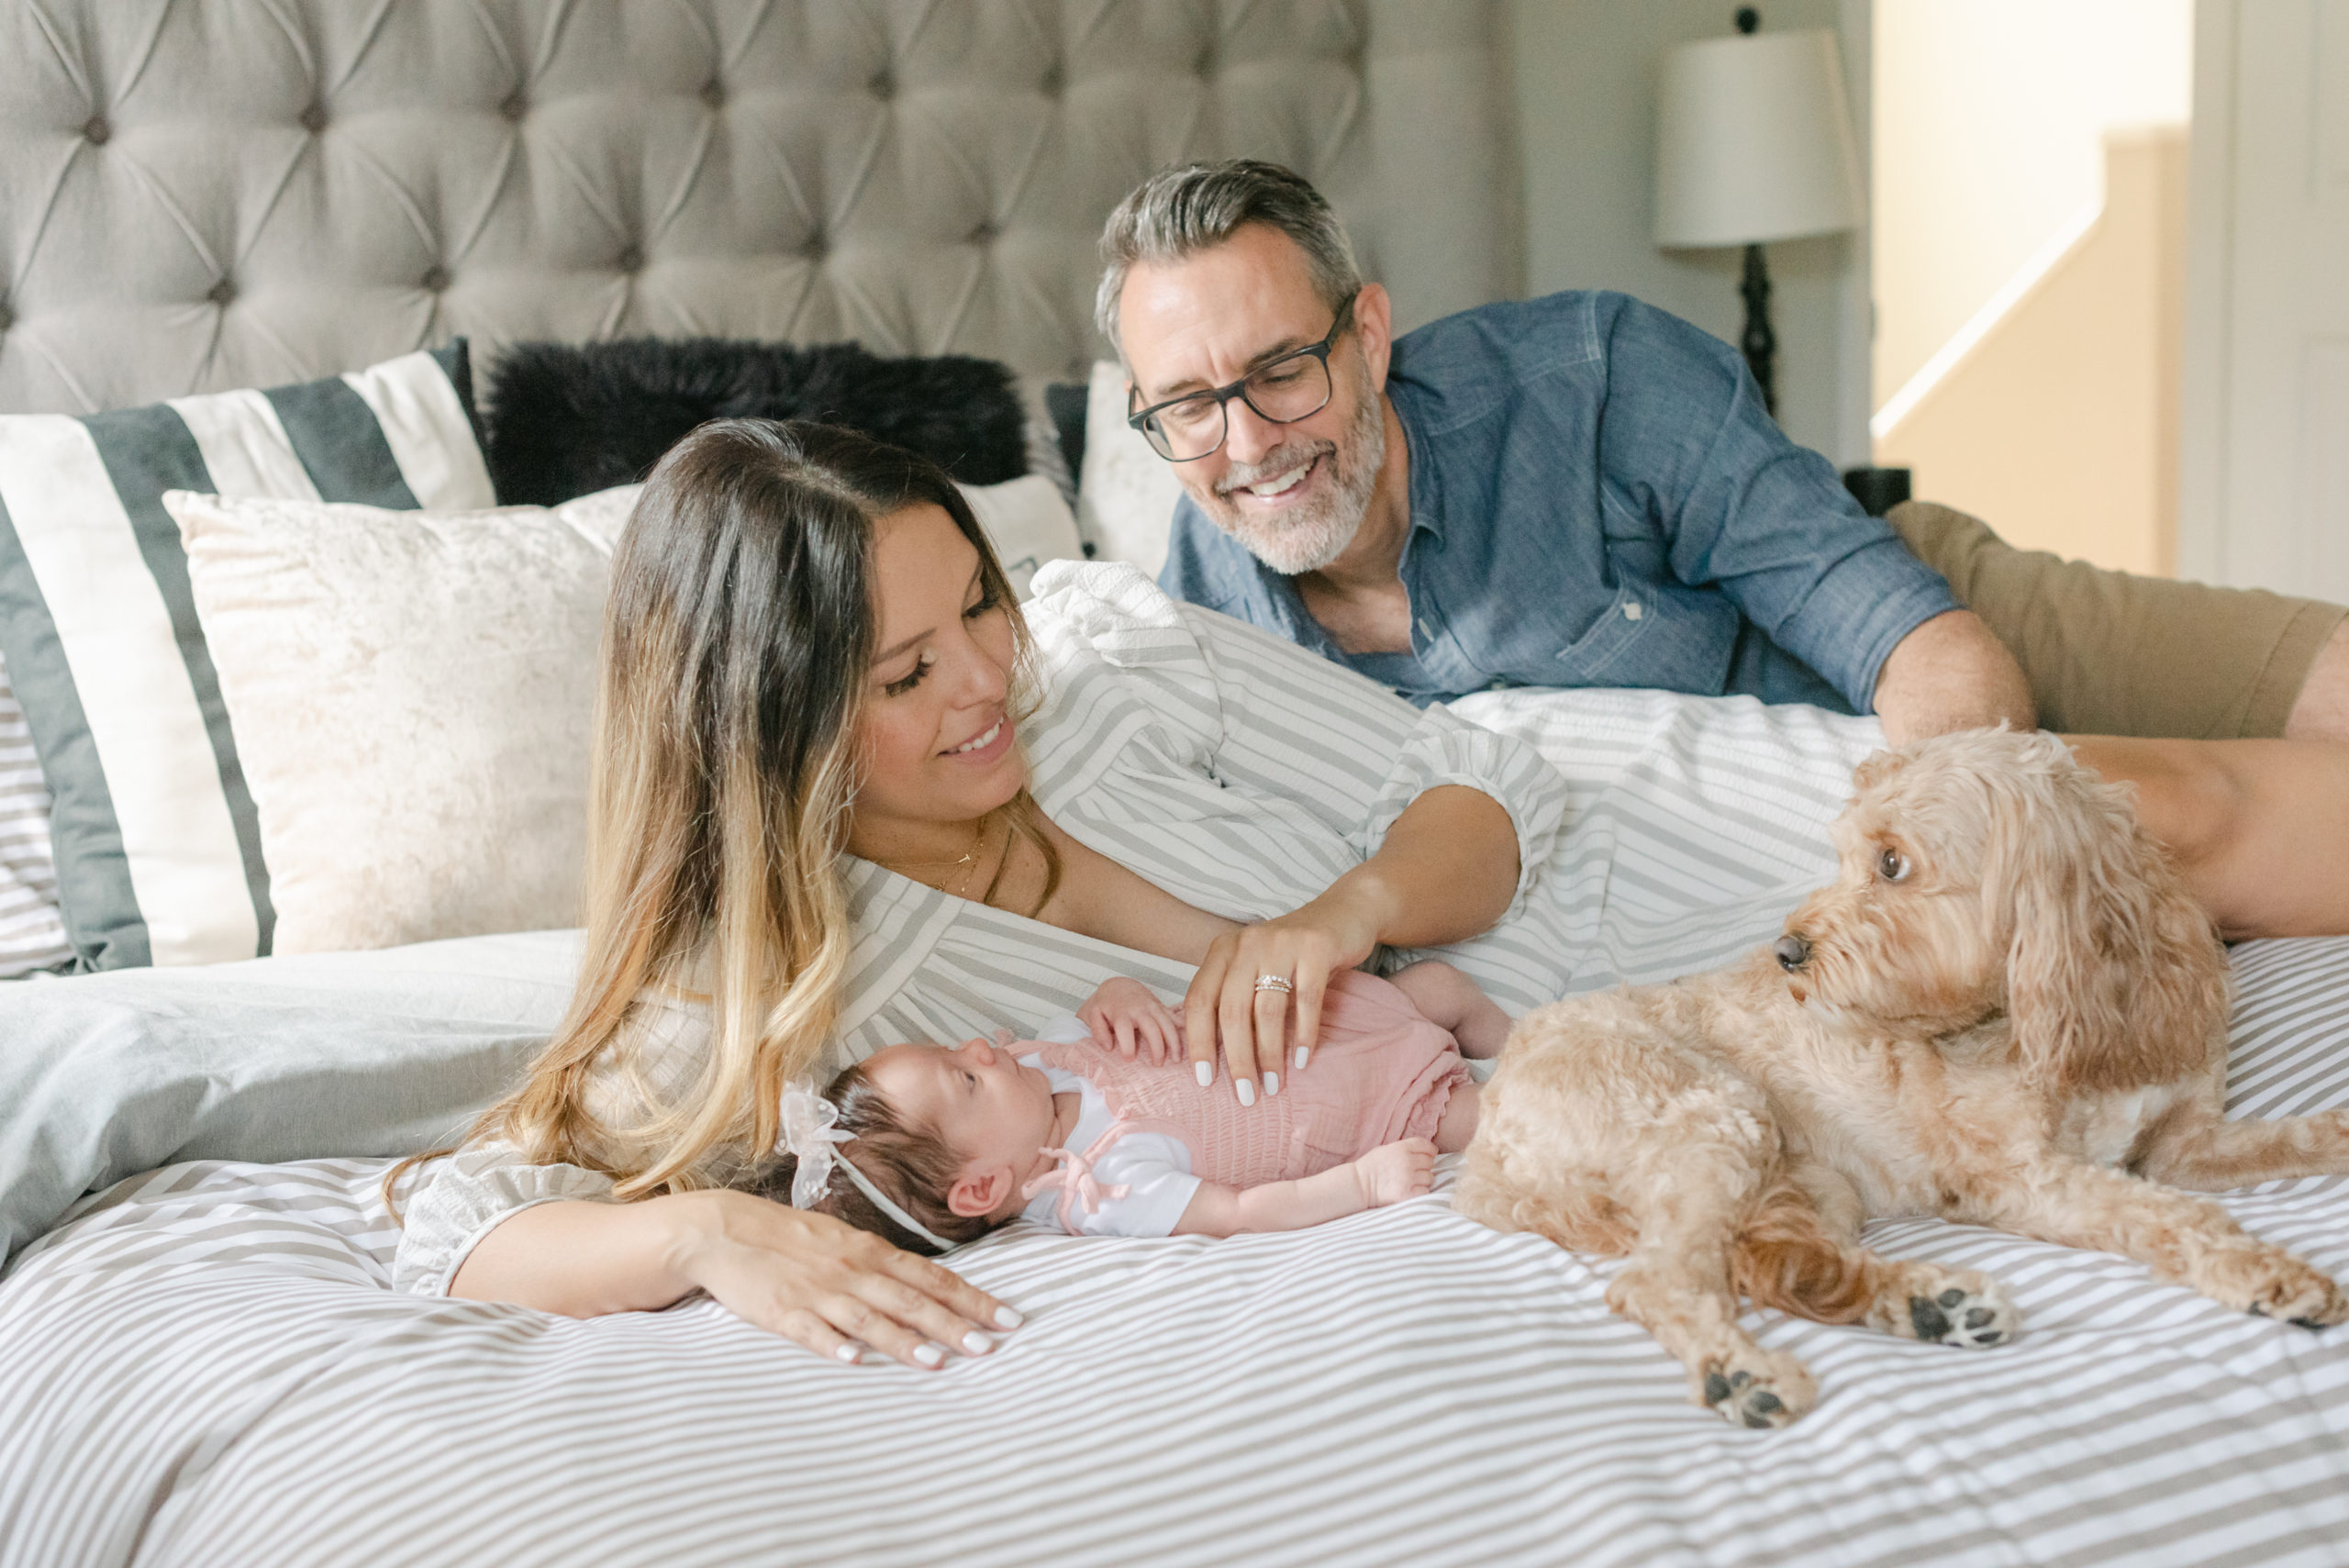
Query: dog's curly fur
{"type": "Point", "coordinates": [2005, 1010]}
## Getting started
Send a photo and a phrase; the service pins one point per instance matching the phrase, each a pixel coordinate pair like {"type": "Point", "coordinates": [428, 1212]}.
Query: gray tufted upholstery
{"type": "Point", "coordinates": [209, 193]}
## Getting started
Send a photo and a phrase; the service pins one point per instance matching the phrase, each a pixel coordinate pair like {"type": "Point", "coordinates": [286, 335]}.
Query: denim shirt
{"type": "Point", "coordinates": [1600, 499]}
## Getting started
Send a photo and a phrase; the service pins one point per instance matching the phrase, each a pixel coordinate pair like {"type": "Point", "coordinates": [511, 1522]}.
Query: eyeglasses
{"type": "Point", "coordinates": [1295, 386]}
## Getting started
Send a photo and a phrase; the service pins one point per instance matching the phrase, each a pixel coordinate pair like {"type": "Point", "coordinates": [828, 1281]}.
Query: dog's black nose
{"type": "Point", "coordinates": [1793, 953]}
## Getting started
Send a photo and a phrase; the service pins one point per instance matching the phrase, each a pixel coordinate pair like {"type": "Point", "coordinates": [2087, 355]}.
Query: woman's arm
{"type": "Point", "coordinates": [808, 1277]}
{"type": "Point", "coordinates": [1386, 1174]}
{"type": "Point", "coordinates": [1447, 870]}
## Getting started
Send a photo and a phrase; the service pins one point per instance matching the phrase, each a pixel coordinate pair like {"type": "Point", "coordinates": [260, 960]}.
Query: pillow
{"type": "Point", "coordinates": [566, 419]}
{"type": "Point", "coordinates": [32, 932]}
{"type": "Point", "coordinates": [158, 850]}
{"type": "Point", "coordinates": [1028, 522]}
{"type": "Point", "coordinates": [1126, 493]}
{"type": "Point", "coordinates": [413, 694]}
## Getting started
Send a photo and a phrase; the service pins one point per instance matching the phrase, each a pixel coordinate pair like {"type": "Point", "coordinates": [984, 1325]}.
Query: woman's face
{"type": "Point", "coordinates": [937, 744]}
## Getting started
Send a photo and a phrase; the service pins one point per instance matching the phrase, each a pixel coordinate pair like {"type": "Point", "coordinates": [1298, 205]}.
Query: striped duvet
{"type": "Point", "coordinates": [204, 1365]}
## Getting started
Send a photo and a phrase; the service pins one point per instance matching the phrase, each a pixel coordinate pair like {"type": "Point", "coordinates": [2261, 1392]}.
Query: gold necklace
{"type": "Point", "coordinates": [967, 863]}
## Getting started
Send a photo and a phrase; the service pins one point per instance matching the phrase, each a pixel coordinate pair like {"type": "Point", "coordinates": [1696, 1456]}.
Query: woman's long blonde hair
{"type": "Point", "coordinates": [737, 654]}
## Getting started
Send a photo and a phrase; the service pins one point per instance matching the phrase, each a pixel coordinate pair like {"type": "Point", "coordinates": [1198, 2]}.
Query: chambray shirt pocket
{"type": "Point", "coordinates": [1627, 618]}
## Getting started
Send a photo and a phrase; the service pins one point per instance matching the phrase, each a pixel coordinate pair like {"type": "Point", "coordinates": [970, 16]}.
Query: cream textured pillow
{"type": "Point", "coordinates": [412, 693]}
{"type": "Point", "coordinates": [1126, 497]}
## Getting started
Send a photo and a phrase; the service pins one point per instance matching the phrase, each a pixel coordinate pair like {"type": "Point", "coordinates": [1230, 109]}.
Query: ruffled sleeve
{"type": "Point", "coordinates": [469, 1194]}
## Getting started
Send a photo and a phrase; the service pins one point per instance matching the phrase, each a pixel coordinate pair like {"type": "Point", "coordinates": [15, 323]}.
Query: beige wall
{"type": "Point", "coordinates": [2060, 426]}
{"type": "Point", "coordinates": [1585, 103]}
{"type": "Point", "coordinates": [1986, 132]}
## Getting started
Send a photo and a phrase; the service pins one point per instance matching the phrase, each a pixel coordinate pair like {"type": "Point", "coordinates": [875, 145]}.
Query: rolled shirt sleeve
{"type": "Point", "coordinates": [1685, 438]}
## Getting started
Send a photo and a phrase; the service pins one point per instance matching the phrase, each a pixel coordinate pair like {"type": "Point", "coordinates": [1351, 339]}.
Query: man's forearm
{"type": "Point", "coordinates": [1950, 673]}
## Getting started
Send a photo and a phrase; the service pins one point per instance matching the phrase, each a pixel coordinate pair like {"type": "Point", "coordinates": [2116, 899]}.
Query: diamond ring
{"type": "Point", "coordinates": [1274, 983]}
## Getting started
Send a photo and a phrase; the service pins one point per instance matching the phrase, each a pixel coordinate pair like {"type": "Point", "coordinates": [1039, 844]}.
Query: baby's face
{"type": "Point", "coordinates": [988, 1108]}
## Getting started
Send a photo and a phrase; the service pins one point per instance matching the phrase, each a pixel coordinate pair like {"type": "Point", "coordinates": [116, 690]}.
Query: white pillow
{"type": "Point", "coordinates": [1126, 495]}
{"type": "Point", "coordinates": [1028, 522]}
{"type": "Point", "coordinates": [412, 693]}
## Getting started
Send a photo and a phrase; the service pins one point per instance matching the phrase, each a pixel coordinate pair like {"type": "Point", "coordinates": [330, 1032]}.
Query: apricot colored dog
{"type": "Point", "coordinates": [2005, 1010]}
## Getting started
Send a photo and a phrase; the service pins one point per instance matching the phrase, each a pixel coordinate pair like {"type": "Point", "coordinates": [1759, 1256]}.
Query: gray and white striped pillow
{"type": "Point", "coordinates": [158, 851]}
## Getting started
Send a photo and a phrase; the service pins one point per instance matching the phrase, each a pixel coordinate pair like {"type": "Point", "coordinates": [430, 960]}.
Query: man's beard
{"type": "Point", "coordinates": [1308, 537]}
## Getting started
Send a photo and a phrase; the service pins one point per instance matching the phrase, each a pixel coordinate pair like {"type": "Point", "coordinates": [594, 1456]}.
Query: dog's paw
{"type": "Point", "coordinates": [1968, 1311]}
{"type": "Point", "coordinates": [1761, 1388]}
{"type": "Point", "coordinates": [2269, 1281]}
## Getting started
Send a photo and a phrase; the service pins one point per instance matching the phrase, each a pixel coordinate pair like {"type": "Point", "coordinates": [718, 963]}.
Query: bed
{"type": "Point", "coordinates": [200, 1358]}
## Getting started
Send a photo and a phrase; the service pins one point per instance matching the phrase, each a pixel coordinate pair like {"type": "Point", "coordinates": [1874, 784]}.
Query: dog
{"type": "Point", "coordinates": [2006, 1010]}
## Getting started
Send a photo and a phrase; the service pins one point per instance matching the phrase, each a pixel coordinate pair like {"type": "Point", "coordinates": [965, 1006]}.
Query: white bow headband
{"type": "Point", "coordinates": [809, 1133]}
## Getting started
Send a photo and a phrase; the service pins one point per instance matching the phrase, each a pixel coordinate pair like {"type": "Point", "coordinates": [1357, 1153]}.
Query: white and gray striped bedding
{"type": "Point", "coordinates": [206, 1367]}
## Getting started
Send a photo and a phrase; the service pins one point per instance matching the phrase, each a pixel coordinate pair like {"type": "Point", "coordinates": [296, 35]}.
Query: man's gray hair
{"type": "Point", "coordinates": [1179, 212]}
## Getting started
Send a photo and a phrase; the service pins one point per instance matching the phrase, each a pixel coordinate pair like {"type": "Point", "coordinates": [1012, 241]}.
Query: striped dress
{"type": "Point", "coordinates": [1244, 776]}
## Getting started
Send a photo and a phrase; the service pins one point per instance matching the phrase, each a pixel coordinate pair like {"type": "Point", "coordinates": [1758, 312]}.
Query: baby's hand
{"type": "Point", "coordinates": [1127, 1017]}
{"type": "Point", "coordinates": [1393, 1172]}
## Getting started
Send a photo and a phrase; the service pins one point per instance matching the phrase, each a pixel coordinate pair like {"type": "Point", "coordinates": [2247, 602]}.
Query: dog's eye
{"type": "Point", "coordinates": [1892, 865]}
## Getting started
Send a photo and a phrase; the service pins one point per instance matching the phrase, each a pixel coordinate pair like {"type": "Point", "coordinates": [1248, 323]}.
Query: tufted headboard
{"type": "Point", "coordinates": [205, 193]}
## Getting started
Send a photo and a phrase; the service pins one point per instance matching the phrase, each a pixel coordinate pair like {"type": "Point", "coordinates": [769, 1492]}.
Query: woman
{"type": "Point", "coordinates": [814, 834]}
{"type": "Point", "coordinates": [830, 816]}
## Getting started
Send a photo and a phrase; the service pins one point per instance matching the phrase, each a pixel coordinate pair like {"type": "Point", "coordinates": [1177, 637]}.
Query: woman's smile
{"type": "Point", "coordinates": [987, 747]}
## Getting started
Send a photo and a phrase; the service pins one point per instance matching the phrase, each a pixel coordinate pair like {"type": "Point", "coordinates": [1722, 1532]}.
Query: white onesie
{"type": "Point", "coordinates": [1153, 1167]}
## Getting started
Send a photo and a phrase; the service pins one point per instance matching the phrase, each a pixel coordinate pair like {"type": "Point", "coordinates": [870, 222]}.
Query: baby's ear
{"type": "Point", "coordinates": [977, 1192]}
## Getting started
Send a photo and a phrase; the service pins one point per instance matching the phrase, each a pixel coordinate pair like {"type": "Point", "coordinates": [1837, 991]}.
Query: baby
{"type": "Point", "coordinates": [1093, 1129]}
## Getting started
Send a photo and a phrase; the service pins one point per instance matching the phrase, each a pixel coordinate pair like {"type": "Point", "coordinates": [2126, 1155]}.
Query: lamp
{"type": "Point", "coordinates": [1753, 143]}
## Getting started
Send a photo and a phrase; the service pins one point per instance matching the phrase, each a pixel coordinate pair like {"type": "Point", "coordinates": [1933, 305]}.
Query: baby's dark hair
{"type": "Point", "coordinates": [905, 1160]}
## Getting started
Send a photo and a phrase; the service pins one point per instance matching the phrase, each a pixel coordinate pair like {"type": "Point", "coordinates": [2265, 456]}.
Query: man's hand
{"type": "Point", "coordinates": [1950, 673]}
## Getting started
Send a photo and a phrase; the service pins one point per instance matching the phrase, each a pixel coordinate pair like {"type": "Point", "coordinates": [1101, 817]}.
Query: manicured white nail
{"type": "Point", "coordinates": [1297, 1059]}
{"type": "Point", "coordinates": [978, 1344]}
{"type": "Point", "coordinates": [848, 1354]}
{"type": "Point", "coordinates": [929, 1354]}
{"type": "Point", "coordinates": [1247, 1093]}
{"type": "Point", "coordinates": [1203, 1072]}
{"type": "Point", "coordinates": [1008, 1319]}
{"type": "Point", "coordinates": [1271, 1084]}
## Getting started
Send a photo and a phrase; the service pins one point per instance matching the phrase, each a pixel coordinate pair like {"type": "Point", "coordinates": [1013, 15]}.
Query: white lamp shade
{"type": "Point", "coordinates": [1754, 142]}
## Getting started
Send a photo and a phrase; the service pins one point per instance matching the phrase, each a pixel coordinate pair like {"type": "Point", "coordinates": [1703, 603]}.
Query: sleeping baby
{"type": "Point", "coordinates": [1096, 1128]}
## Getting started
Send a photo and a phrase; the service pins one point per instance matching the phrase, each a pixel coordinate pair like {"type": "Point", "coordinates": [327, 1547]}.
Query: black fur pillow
{"type": "Point", "coordinates": [566, 419]}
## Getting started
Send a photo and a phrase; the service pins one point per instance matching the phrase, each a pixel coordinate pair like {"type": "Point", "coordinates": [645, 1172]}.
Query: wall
{"type": "Point", "coordinates": [2060, 424]}
{"type": "Point", "coordinates": [1987, 128]}
{"type": "Point", "coordinates": [1585, 105]}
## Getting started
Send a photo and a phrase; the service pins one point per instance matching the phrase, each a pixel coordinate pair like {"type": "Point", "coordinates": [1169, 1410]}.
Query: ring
{"type": "Point", "coordinates": [1274, 983]}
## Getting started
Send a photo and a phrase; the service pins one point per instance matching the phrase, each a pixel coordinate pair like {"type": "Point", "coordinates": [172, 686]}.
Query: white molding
{"type": "Point", "coordinates": [1996, 309]}
{"type": "Point", "coordinates": [2206, 356]}
{"type": "Point", "coordinates": [1855, 296]}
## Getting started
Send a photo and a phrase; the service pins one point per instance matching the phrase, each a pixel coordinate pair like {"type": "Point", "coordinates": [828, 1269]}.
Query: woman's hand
{"type": "Point", "coordinates": [1304, 947]}
{"type": "Point", "coordinates": [823, 1283]}
{"type": "Point", "coordinates": [1127, 1017]}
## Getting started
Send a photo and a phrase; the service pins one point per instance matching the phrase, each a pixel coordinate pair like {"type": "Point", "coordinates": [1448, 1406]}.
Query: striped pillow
{"type": "Point", "coordinates": [158, 853]}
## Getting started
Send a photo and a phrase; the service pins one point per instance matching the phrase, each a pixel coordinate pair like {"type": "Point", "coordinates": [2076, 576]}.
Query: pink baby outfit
{"type": "Point", "coordinates": [1381, 1072]}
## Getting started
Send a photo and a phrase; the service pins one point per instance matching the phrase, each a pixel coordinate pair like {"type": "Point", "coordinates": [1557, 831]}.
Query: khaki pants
{"type": "Point", "coordinates": [2108, 653]}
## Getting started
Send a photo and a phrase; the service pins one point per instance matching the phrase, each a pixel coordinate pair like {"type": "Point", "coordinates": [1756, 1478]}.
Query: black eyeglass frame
{"type": "Point", "coordinates": [1222, 395]}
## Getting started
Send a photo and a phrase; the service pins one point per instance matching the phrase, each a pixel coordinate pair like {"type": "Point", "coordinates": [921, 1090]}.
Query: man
{"type": "Point", "coordinates": [1585, 491]}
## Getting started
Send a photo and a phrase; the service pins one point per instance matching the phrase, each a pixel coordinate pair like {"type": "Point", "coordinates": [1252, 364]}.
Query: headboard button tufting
{"type": "Point", "coordinates": [313, 118]}
{"type": "Point", "coordinates": [986, 233]}
{"type": "Point", "coordinates": [713, 93]}
{"type": "Point", "coordinates": [98, 130]}
{"type": "Point", "coordinates": [885, 86]}
{"type": "Point", "coordinates": [435, 279]}
{"type": "Point", "coordinates": [6, 320]}
{"type": "Point", "coordinates": [516, 104]}
{"type": "Point", "coordinates": [1055, 81]}
{"type": "Point", "coordinates": [221, 293]}
{"type": "Point", "coordinates": [631, 259]}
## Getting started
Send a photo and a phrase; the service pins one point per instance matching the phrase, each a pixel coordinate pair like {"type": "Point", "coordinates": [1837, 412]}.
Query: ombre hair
{"type": "Point", "coordinates": [737, 657]}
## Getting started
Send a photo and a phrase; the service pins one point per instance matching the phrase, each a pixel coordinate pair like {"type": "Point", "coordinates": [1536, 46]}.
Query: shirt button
{"type": "Point", "coordinates": [1425, 629]}
{"type": "Point", "coordinates": [1632, 612]}
{"type": "Point", "coordinates": [1497, 684]}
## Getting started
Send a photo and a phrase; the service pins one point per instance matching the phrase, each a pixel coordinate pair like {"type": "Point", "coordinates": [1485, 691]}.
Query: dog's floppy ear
{"type": "Point", "coordinates": [2115, 978]}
